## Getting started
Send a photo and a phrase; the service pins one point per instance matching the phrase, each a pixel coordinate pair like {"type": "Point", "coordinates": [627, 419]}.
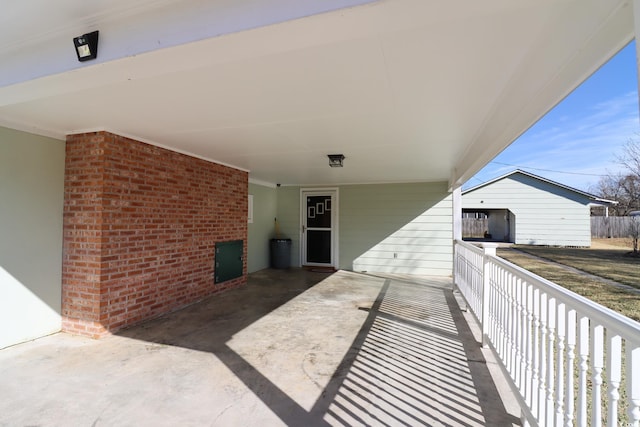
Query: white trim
{"type": "Point", "coordinates": [250, 209]}
{"type": "Point", "coordinates": [36, 130]}
{"type": "Point", "coordinates": [335, 258]}
{"type": "Point", "coordinates": [539, 178]}
{"type": "Point", "coordinates": [418, 181]}
{"type": "Point", "coordinates": [261, 182]}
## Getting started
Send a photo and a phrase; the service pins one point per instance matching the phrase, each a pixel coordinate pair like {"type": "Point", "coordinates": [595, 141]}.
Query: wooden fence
{"type": "Point", "coordinates": [474, 228]}
{"type": "Point", "coordinates": [601, 227]}
{"type": "Point", "coordinates": [611, 226]}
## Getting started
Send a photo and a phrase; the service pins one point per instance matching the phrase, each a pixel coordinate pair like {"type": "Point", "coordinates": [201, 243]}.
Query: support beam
{"type": "Point", "coordinates": [457, 213]}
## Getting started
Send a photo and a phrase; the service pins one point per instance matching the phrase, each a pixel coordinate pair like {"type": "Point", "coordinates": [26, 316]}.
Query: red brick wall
{"type": "Point", "coordinates": [140, 227]}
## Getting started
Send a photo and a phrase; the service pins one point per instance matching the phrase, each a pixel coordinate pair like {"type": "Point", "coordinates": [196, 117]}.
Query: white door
{"type": "Point", "coordinates": [319, 228]}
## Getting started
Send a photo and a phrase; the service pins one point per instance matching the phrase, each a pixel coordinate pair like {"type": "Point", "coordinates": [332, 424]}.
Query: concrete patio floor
{"type": "Point", "coordinates": [292, 347]}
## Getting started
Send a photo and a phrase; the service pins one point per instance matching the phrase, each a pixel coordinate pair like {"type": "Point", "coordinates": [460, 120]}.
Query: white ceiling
{"type": "Point", "coordinates": [407, 90]}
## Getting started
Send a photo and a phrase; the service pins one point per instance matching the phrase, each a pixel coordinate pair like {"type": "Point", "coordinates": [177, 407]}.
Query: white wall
{"type": "Point", "coordinates": [31, 203]}
{"type": "Point", "coordinates": [289, 219]}
{"type": "Point", "coordinates": [261, 230]}
{"type": "Point", "coordinates": [545, 214]}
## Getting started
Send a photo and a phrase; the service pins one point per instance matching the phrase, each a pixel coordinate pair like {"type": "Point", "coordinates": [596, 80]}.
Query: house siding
{"type": "Point", "coordinates": [387, 228]}
{"type": "Point", "coordinates": [289, 219]}
{"type": "Point", "coordinates": [545, 214]}
{"type": "Point", "coordinates": [396, 228]}
{"type": "Point", "coordinates": [261, 230]}
{"type": "Point", "coordinates": [31, 200]}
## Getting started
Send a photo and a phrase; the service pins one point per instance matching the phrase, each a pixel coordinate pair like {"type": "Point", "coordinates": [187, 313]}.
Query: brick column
{"type": "Point", "coordinates": [83, 210]}
{"type": "Point", "coordinates": [140, 227]}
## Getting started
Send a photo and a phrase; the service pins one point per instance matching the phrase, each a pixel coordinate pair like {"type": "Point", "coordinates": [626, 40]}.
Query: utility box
{"type": "Point", "coordinates": [228, 260]}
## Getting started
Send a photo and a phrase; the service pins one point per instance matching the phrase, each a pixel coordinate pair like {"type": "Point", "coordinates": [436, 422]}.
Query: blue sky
{"type": "Point", "coordinates": [581, 135]}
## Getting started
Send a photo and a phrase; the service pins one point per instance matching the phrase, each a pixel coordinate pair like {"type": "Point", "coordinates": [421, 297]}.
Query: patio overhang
{"type": "Point", "coordinates": [407, 90]}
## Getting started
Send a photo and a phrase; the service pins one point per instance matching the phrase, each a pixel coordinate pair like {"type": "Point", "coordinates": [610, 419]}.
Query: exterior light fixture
{"type": "Point", "coordinates": [86, 46]}
{"type": "Point", "coordinates": [335, 160]}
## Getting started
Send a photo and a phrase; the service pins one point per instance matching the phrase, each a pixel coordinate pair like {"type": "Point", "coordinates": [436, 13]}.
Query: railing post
{"type": "Point", "coordinates": [455, 272]}
{"type": "Point", "coordinates": [456, 206]}
{"type": "Point", "coordinates": [489, 250]}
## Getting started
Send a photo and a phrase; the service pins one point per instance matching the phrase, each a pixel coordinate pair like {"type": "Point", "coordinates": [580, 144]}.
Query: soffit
{"type": "Point", "coordinates": [407, 90]}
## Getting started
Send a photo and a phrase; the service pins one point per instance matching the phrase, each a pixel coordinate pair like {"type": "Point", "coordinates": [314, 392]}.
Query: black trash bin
{"type": "Point", "coordinates": [280, 253]}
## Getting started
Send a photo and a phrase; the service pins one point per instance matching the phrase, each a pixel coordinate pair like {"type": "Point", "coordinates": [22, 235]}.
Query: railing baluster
{"type": "Point", "coordinates": [583, 366]}
{"type": "Point", "coordinates": [561, 368]}
{"type": "Point", "coordinates": [513, 363]}
{"type": "Point", "coordinates": [614, 364]}
{"type": "Point", "coordinates": [632, 361]}
{"type": "Point", "coordinates": [505, 320]}
{"type": "Point", "coordinates": [522, 327]}
{"type": "Point", "coordinates": [597, 363]}
{"type": "Point", "coordinates": [478, 283]}
{"type": "Point", "coordinates": [529, 332]}
{"type": "Point", "coordinates": [542, 385]}
{"type": "Point", "coordinates": [499, 311]}
{"type": "Point", "coordinates": [551, 324]}
{"type": "Point", "coordinates": [493, 327]}
{"type": "Point", "coordinates": [471, 284]}
{"type": "Point", "coordinates": [535, 383]}
{"type": "Point", "coordinates": [501, 332]}
{"type": "Point", "coordinates": [496, 318]}
{"type": "Point", "coordinates": [502, 316]}
{"type": "Point", "coordinates": [571, 360]}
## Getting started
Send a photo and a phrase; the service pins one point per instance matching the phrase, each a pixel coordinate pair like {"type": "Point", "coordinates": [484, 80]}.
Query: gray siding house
{"type": "Point", "coordinates": [524, 208]}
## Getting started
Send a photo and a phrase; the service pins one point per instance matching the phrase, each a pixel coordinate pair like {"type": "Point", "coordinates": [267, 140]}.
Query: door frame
{"type": "Point", "coordinates": [334, 191]}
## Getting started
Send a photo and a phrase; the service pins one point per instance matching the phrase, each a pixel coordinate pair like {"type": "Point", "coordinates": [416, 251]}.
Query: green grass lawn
{"type": "Point", "coordinates": [608, 263]}
{"type": "Point", "coordinates": [614, 264]}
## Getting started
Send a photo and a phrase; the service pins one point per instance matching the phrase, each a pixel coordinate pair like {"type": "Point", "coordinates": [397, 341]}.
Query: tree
{"type": "Point", "coordinates": [623, 187]}
{"type": "Point", "coordinates": [634, 233]}
{"type": "Point", "coordinates": [630, 157]}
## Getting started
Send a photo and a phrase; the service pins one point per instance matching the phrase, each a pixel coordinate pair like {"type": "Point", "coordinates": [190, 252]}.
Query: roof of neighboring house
{"type": "Point", "coordinates": [593, 197]}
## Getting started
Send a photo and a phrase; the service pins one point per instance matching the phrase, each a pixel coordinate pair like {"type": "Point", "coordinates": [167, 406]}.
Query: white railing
{"type": "Point", "coordinates": [570, 361]}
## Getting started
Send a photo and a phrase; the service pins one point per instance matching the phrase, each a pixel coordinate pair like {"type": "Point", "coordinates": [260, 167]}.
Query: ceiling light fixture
{"type": "Point", "coordinates": [335, 160]}
{"type": "Point", "coordinates": [86, 46]}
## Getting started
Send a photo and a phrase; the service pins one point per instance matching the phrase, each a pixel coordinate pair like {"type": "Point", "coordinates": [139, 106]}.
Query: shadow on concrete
{"type": "Point", "coordinates": [413, 362]}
